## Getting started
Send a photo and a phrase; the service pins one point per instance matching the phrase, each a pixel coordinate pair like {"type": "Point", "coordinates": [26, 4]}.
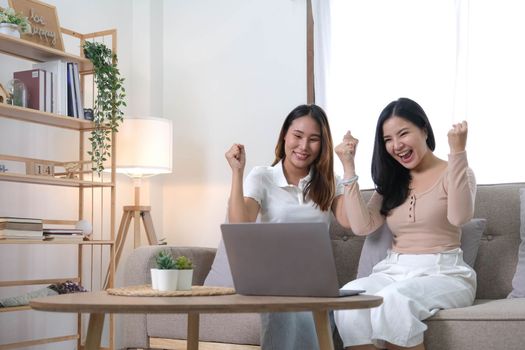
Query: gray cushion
{"type": "Point", "coordinates": [374, 250]}
{"type": "Point", "coordinates": [471, 234]}
{"type": "Point", "coordinates": [518, 281]}
{"type": "Point", "coordinates": [377, 243]}
{"type": "Point", "coordinates": [220, 274]}
{"type": "Point", "coordinates": [486, 325]}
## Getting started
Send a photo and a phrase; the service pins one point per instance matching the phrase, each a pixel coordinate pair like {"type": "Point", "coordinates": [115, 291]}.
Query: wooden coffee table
{"type": "Point", "coordinates": [100, 303]}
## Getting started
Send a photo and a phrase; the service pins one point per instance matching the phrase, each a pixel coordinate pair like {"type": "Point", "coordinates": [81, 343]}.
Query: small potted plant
{"type": "Point", "coordinates": [165, 276]}
{"type": "Point", "coordinates": [185, 267]}
{"type": "Point", "coordinates": [12, 23]}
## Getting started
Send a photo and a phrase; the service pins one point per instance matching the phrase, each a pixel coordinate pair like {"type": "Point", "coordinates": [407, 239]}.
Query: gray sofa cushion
{"type": "Point", "coordinates": [518, 282]}
{"type": "Point", "coordinates": [486, 325]}
{"type": "Point", "coordinates": [374, 250]}
{"type": "Point", "coordinates": [220, 274]}
{"type": "Point", "coordinates": [471, 234]}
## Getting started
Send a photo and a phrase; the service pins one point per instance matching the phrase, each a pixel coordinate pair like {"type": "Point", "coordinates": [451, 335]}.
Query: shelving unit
{"type": "Point", "coordinates": [86, 180]}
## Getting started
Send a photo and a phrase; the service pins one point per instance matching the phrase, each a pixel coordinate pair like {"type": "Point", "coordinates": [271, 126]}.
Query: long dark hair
{"type": "Point", "coordinates": [321, 188]}
{"type": "Point", "coordinates": [391, 179]}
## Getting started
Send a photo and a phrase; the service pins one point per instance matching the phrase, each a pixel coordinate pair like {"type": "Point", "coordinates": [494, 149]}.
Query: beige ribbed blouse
{"type": "Point", "coordinates": [427, 222]}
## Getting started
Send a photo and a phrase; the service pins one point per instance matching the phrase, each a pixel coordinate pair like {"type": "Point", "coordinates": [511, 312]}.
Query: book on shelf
{"type": "Point", "coordinates": [32, 226]}
{"type": "Point", "coordinates": [20, 219]}
{"type": "Point", "coordinates": [35, 83]}
{"type": "Point", "coordinates": [63, 231]}
{"type": "Point", "coordinates": [48, 93]}
{"type": "Point", "coordinates": [78, 95]}
{"type": "Point", "coordinates": [59, 90]}
{"type": "Point", "coordinates": [66, 234]}
{"type": "Point", "coordinates": [18, 234]}
{"type": "Point", "coordinates": [23, 238]}
{"type": "Point", "coordinates": [54, 86]}
{"type": "Point", "coordinates": [72, 110]}
{"type": "Point", "coordinates": [67, 238]}
{"type": "Point", "coordinates": [21, 228]}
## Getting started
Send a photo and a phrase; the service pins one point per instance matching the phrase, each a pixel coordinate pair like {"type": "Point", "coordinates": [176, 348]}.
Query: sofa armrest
{"type": "Point", "coordinates": [141, 260]}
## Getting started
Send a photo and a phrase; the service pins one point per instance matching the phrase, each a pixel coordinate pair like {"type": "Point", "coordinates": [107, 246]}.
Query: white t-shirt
{"type": "Point", "coordinates": [280, 202]}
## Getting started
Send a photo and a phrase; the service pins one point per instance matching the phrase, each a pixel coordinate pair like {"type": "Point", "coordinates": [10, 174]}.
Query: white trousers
{"type": "Point", "coordinates": [414, 287]}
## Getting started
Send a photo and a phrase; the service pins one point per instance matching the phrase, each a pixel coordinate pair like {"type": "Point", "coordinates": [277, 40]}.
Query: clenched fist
{"type": "Point", "coordinates": [457, 137]}
{"type": "Point", "coordinates": [236, 156]}
{"type": "Point", "coordinates": [346, 151]}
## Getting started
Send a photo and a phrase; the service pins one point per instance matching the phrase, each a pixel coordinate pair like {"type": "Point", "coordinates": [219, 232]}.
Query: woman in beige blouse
{"type": "Point", "coordinates": [424, 201]}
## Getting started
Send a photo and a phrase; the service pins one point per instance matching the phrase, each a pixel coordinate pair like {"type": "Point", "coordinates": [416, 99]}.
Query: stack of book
{"type": "Point", "coordinates": [64, 234]}
{"type": "Point", "coordinates": [54, 87]}
{"type": "Point", "coordinates": [21, 228]}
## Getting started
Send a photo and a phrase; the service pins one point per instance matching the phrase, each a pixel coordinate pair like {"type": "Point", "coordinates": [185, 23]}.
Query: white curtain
{"type": "Point", "coordinates": [321, 15]}
{"type": "Point", "coordinates": [458, 59]}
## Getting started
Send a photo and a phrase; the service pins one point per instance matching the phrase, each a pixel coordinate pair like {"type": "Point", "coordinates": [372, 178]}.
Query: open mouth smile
{"type": "Point", "coordinates": [405, 156]}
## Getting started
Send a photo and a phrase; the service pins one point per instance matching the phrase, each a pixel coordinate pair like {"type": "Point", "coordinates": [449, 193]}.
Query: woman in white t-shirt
{"type": "Point", "coordinates": [300, 186]}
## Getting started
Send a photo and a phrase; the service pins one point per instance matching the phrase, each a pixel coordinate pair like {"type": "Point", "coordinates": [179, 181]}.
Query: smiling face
{"type": "Point", "coordinates": [302, 144]}
{"type": "Point", "coordinates": [405, 142]}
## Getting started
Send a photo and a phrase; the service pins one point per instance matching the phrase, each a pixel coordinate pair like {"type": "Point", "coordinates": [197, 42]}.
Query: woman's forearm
{"type": "Point", "coordinates": [364, 218]}
{"type": "Point", "coordinates": [237, 211]}
{"type": "Point", "coordinates": [461, 186]}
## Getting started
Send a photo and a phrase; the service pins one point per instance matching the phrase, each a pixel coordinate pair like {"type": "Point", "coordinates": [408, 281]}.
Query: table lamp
{"type": "Point", "coordinates": [144, 149]}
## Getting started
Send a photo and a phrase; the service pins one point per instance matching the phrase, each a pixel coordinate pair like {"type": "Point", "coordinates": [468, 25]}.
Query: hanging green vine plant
{"type": "Point", "coordinates": [107, 113]}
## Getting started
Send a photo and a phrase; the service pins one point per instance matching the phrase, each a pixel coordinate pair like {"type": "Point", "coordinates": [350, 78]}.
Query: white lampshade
{"type": "Point", "coordinates": [144, 146]}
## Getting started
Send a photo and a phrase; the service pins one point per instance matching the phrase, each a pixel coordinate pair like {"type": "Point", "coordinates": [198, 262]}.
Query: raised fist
{"type": "Point", "coordinates": [346, 150]}
{"type": "Point", "coordinates": [236, 156]}
{"type": "Point", "coordinates": [457, 137]}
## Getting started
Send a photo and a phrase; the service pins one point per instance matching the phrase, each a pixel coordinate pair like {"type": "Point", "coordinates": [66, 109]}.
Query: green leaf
{"type": "Point", "coordinates": [109, 100]}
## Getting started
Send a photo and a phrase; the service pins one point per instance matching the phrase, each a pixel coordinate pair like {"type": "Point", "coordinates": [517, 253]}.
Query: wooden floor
{"type": "Point", "coordinates": [175, 344]}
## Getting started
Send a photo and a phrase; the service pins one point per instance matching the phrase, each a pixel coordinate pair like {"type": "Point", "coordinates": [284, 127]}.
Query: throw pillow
{"type": "Point", "coordinates": [374, 250]}
{"type": "Point", "coordinates": [518, 282]}
{"type": "Point", "coordinates": [377, 243]}
{"type": "Point", "coordinates": [471, 234]}
{"type": "Point", "coordinates": [220, 274]}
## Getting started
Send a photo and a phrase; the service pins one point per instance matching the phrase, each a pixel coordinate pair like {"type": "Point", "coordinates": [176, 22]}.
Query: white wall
{"type": "Point", "coordinates": [224, 71]}
{"type": "Point", "coordinates": [232, 71]}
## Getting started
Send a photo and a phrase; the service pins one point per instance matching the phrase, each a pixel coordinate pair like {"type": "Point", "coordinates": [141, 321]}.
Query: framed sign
{"type": "Point", "coordinates": [45, 28]}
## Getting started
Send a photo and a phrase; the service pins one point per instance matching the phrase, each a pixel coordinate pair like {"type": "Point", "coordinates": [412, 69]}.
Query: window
{"type": "Point", "coordinates": [459, 60]}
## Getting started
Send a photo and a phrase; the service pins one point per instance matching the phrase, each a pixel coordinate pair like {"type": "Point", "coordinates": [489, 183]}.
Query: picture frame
{"type": "Point", "coordinates": [45, 26]}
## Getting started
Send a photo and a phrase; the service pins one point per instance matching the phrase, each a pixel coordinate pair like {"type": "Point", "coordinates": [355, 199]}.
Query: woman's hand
{"type": "Point", "coordinates": [236, 156]}
{"type": "Point", "coordinates": [346, 153]}
{"type": "Point", "coordinates": [457, 137]}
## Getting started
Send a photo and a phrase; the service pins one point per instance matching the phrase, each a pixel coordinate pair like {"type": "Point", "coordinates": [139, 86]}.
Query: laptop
{"type": "Point", "coordinates": [285, 259]}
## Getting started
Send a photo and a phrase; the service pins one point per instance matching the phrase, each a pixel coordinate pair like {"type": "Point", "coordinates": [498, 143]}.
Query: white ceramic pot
{"type": "Point", "coordinates": [185, 278]}
{"type": "Point", "coordinates": [167, 279]}
{"type": "Point", "coordinates": [10, 29]}
{"type": "Point", "coordinates": [154, 279]}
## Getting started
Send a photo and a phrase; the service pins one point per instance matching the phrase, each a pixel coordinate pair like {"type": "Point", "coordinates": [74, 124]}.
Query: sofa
{"type": "Point", "coordinates": [492, 322]}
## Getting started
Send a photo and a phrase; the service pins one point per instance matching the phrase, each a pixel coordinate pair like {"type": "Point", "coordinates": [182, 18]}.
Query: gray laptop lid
{"type": "Point", "coordinates": [293, 259]}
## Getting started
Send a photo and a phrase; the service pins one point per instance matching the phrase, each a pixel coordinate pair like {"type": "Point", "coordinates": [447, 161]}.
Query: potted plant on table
{"type": "Point", "coordinates": [165, 276]}
{"type": "Point", "coordinates": [185, 268]}
{"type": "Point", "coordinates": [12, 23]}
